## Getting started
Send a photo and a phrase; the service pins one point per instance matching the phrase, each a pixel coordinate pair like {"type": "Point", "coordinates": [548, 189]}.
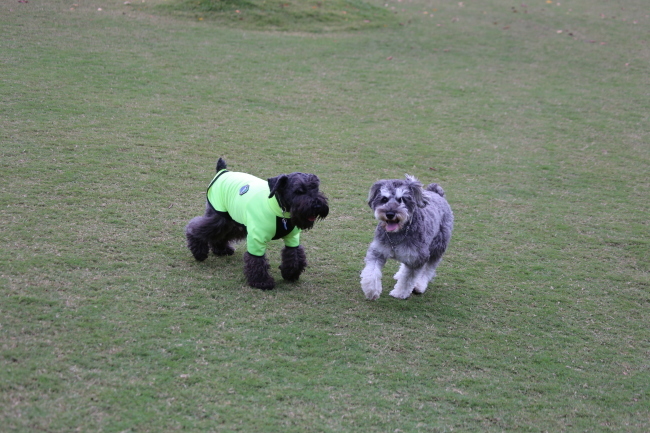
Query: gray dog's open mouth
{"type": "Point", "coordinates": [391, 226]}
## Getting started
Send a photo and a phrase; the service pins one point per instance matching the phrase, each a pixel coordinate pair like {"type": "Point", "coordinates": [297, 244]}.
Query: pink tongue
{"type": "Point", "coordinates": [312, 218]}
{"type": "Point", "coordinates": [391, 227]}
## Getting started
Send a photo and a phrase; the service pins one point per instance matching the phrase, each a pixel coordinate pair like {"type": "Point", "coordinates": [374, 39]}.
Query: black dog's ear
{"type": "Point", "coordinates": [277, 183]}
{"type": "Point", "coordinates": [312, 178]}
{"type": "Point", "coordinates": [374, 190]}
{"type": "Point", "coordinates": [416, 190]}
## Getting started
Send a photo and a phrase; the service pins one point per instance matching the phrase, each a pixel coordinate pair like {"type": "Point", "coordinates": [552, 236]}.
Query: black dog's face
{"type": "Point", "coordinates": [299, 194]}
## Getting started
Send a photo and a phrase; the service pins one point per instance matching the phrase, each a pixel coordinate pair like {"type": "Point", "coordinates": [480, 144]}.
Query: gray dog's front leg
{"type": "Point", "coordinates": [371, 274]}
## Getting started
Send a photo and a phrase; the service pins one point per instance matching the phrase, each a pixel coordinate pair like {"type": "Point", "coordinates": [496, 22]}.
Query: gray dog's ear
{"type": "Point", "coordinates": [374, 190]}
{"type": "Point", "coordinates": [416, 190]}
{"type": "Point", "coordinates": [277, 183]}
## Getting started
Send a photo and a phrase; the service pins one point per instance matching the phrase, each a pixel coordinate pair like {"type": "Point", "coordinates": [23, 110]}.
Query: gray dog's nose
{"type": "Point", "coordinates": [390, 215]}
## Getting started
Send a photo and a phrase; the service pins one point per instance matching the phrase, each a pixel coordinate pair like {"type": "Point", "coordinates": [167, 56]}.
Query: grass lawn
{"type": "Point", "coordinates": [534, 119]}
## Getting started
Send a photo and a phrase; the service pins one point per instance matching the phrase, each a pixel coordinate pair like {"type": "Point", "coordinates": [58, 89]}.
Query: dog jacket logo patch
{"type": "Point", "coordinates": [243, 190]}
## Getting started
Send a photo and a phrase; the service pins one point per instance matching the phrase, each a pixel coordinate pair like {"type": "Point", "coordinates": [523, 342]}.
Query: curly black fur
{"type": "Point", "coordinates": [297, 193]}
{"type": "Point", "coordinates": [256, 270]}
{"type": "Point", "coordinates": [212, 232]}
{"type": "Point", "coordinates": [294, 262]}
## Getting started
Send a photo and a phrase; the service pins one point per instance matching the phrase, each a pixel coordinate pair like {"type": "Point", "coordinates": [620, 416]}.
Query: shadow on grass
{"type": "Point", "coordinates": [303, 16]}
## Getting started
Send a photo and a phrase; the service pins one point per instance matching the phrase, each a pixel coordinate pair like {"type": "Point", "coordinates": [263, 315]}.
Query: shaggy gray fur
{"type": "Point", "coordinates": [414, 228]}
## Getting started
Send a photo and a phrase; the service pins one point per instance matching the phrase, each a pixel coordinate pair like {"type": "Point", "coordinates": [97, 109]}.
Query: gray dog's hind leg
{"type": "Point", "coordinates": [427, 274]}
{"type": "Point", "coordinates": [407, 278]}
{"type": "Point", "coordinates": [414, 280]}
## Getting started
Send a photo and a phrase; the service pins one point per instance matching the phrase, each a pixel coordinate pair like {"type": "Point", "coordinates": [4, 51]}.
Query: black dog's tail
{"type": "Point", "coordinates": [221, 164]}
{"type": "Point", "coordinates": [434, 187]}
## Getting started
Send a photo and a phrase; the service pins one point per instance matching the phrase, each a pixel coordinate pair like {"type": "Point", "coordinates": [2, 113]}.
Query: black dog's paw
{"type": "Point", "coordinates": [291, 273]}
{"type": "Point", "coordinates": [223, 250]}
{"type": "Point", "coordinates": [200, 257]}
{"type": "Point", "coordinates": [263, 285]}
{"type": "Point", "coordinates": [199, 249]}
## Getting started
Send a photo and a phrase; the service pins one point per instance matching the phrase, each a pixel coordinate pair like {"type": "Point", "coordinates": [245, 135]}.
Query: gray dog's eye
{"type": "Point", "coordinates": [384, 199]}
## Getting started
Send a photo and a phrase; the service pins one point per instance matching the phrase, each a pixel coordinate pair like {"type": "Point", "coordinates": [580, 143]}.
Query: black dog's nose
{"type": "Point", "coordinates": [390, 215]}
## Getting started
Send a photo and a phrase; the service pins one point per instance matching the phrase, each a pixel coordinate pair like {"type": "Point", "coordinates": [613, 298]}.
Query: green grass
{"type": "Point", "coordinates": [110, 125]}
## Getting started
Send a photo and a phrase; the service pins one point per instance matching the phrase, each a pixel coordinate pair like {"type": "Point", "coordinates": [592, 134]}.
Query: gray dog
{"type": "Point", "coordinates": [241, 206]}
{"type": "Point", "coordinates": [414, 228]}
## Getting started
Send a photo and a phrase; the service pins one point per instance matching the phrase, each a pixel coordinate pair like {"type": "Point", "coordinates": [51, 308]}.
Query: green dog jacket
{"type": "Point", "coordinates": [245, 199]}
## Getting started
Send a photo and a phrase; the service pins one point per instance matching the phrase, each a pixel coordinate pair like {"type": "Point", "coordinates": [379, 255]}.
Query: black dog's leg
{"type": "Point", "coordinates": [222, 249]}
{"type": "Point", "coordinates": [230, 232]}
{"type": "Point", "coordinates": [256, 270]}
{"type": "Point", "coordinates": [212, 231]}
{"type": "Point", "coordinates": [294, 262]}
{"type": "Point", "coordinates": [197, 234]}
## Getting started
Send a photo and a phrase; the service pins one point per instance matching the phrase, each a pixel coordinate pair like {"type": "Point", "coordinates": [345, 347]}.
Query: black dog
{"type": "Point", "coordinates": [241, 206]}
